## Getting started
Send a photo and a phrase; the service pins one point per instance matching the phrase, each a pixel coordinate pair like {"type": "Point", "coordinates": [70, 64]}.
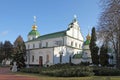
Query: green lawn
{"type": "Point", "coordinates": [42, 77]}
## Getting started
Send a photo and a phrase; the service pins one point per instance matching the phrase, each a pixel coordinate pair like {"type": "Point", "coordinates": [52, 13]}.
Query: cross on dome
{"type": "Point", "coordinates": [34, 19]}
{"type": "Point", "coordinates": [34, 27]}
{"type": "Point", "coordinates": [75, 16]}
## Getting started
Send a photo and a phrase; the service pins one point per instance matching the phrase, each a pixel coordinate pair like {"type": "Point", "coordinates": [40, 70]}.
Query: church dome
{"type": "Point", "coordinates": [34, 31]}
{"type": "Point", "coordinates": [87, 42]}
{"type": "Point", "coordinates": [88, 38]}
{"type": "Point", "coordinates": [33, 34]}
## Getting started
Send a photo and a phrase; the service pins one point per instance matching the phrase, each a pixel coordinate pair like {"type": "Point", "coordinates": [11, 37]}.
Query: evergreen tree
{"type": "Point", "coordinates": [93, 48]}
{"type": "Point", "coordinates": [19, 52]}
{"type": "Point", "coordinates": [2, 56]}
{"type": "Point", "coordinates": [103, 55]}
{"type": "Point", "coordinates": [8, 49]}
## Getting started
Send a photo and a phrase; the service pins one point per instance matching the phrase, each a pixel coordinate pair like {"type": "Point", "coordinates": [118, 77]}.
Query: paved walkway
{"type": "Point", "coordinates": [6, 75]}
{"type": "Point", "coordinates": [5, 70]}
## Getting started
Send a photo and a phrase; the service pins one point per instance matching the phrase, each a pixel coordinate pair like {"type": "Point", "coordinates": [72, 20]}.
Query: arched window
{"type": "Point", "coordinates": [32, 58]}
{"type": "Point", "coordinates": [72, 43]}
{"type": "Point", "coordinates": [33, 45]}
{"type": "Point", "coordinates": [46, 44]}
{"type": "Point", "coordinates": [75, 44]}
{"type": "Point", "coordinates": [40, 45]}
{"type": "Point", "coordinates": [28, 46]}
{"type": "Point", "coordinates": [79, 45]}
{"type": "Point", "coordinates": [47, 58]}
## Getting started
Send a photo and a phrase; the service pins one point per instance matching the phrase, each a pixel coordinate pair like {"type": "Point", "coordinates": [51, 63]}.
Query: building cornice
{"type": "Point", "coordinates": [73, 47]}
{"type": "Point", "coordinates": [74, 38]}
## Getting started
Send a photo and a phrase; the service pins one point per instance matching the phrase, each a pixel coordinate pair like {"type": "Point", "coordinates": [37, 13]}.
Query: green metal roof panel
{"type": "Point", "coordinates": [77, 56]}
{"type": "Point", "coordinates": [34, 32]}
{"type": "Point", "coordinates": [87, 42]}
{"type": "Point", "coordinates": [52, 35]}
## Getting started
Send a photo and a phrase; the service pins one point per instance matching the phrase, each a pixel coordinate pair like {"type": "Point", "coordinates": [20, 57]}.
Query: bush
{"type": "Point", "coordinates": [68, 71]}
{"type": "Point", "coordinates": [30, 70]}
{"type": "Point", "coordinates": [105, 71]}
{"type": "Point", "coordinates": [85, 63]}
{"type": "Point", "coordinates": [61, 70]}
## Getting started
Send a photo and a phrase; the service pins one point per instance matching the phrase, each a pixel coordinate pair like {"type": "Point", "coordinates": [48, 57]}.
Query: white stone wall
{"type": "Point", "coordinates": [75, 41]}
{"type": "Point", "coordinates": [67, 52]}
{"type": "Point", "coordinates": [74, 35]}
{"type": "Point", "coordinates": [86, 57]}
{"type": "Point", "coordinates": [29, 45]}
{"type": "Point", "coordinates": [73, 50]}
{"type": "Point", "coordinates": [51, 43]}
{"type": "Point", "coordinates": [75, 32]}
{"type": "Point", "coordinates": [40, 52]}
{"type": "Point", "coordinates": [76, 61]}
{"type": "Point", "coordinates": [65, 55]}
{"type": "Point", "coordinates": [36, 52]}
{"type": "Point", "coordinates": [87, 50]}
{"type": "Point", "coordinates": [32, 37]}
{"type": "Point", "coordinates": [86, 47]}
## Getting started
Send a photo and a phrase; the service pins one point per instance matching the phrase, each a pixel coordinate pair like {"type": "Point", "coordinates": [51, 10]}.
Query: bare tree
{"type": "Point", "coordinates": [109, 25]}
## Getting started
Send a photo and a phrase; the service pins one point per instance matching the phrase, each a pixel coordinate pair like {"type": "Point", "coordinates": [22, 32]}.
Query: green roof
{"type": "Point", "coordinates": [87, 42]}
{"type": "Point", "coordinates": [77, 56]}
{"type": "Point", "coordinates": [52, 35]}
{"type": "Point", "coordinates": [34, 33]}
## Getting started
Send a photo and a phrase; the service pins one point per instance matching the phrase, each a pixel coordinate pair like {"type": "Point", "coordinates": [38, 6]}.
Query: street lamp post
{"type": "Point", "coordinates": [70, 56]}
{"type": "Point", "coordinates": [61, 53]}
{"type": "Point", "coordinates": [70, 59]}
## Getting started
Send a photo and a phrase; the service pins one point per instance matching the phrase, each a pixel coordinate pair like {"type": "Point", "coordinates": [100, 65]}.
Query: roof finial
{"type": "Point", "coordinates": [88, 36]}
{"type": "Point", "coordinates": [34, 27]}
{"type": "Point", "coordinates": [34, 19]}
{"type": "Point", "coordinates": [75, 16]}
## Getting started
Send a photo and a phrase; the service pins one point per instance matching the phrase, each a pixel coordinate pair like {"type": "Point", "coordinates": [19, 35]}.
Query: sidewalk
{"type": "Point", "coordinates": [5, 70]}
{"type": "Point", "coordinates": [6, 75]}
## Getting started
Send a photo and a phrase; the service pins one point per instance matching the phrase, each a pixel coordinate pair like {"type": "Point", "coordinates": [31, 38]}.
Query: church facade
{"type": "Point", "coordinates": [53, 48]}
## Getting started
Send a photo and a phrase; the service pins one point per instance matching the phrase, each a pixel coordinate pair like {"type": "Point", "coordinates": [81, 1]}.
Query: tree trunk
{"type": "Point", "coordinates": [118, 49]}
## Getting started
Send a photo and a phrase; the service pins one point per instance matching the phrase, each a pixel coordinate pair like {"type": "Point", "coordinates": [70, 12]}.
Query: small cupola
{"type": "Point", "coordinates": [33, 34]}
{"type": "Point", "coordinates": [88, 38]}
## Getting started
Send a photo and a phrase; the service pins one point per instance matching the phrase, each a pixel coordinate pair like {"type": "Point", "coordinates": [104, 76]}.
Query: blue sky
{"type": "Point", "coordinates": [16, 16]}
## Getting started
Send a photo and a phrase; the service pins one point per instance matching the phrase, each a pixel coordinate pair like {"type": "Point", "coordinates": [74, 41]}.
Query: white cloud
{"type": "Point", "coordinates": [4, 33]}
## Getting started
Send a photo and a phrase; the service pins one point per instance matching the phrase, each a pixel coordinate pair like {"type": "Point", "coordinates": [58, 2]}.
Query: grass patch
{"type": "Point", "coordinates": [43, 77]}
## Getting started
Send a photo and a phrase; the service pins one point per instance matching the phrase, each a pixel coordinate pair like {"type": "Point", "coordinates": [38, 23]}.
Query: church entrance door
{"type": "Point", "coordinates": [40, 61]}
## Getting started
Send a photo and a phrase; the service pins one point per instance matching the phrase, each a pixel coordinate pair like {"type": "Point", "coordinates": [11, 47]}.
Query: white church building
{"type": "Point", "coordinates": [53, 48]}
